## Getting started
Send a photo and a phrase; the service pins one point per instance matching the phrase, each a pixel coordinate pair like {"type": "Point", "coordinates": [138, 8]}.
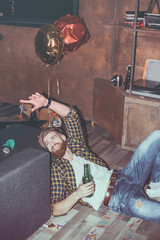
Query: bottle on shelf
{"type": "Point", "coordinates": [127, 81]}
{"type": "Point", "coordinates": [87, 176]}
{"type": "Point", "coordinates": [56, 120]}
{"type": "Point", "coordinates": [33, 116]}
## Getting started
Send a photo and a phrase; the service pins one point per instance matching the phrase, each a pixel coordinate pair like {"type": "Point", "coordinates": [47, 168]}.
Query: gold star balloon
{"type": "Point", "coordinates": [49, 44]}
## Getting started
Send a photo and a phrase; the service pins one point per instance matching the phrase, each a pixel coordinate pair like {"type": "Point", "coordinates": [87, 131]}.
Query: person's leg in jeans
{"type": "Point", "coordinates": [141, 206]}
{"type": "Point", "coordinates": [145, 161]}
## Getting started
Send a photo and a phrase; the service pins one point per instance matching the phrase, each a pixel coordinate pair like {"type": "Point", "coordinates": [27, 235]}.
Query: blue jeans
{"type": "Point", "coordinates": [128, 197]}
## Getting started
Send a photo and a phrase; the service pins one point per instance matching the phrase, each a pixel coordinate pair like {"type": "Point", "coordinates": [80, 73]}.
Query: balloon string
{"type": "Point", "coordinates": [58, 80]}
{"type": "Point", "coordinates": [49, 95]}
{"type": "Point", "coordinates": [58, 87]}
{"type": "Point", "coordinates": [49, 81]}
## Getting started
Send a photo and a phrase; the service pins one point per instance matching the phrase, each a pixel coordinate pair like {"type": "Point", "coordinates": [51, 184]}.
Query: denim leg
{"type": "Point", "coordinates": [141, 206]}
{"type": "Point", "coordinates": [155, 172]}
{"type": "Point", "coordinates": [145, 160]}
{"type": "Point", "coordinates": [129, 199]}
{"type": "Point", "coordinates": [128, 196]}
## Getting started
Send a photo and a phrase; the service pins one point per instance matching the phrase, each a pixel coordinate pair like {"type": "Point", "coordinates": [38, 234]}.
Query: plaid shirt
{"type": "Point", "coordinates": [63, 180]}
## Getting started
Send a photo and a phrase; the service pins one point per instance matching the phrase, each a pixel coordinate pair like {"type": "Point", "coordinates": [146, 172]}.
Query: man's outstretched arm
{"type": "Point", "coordinates": [38, 101]}
{"type": "Point", "coordinates": [63, 206]}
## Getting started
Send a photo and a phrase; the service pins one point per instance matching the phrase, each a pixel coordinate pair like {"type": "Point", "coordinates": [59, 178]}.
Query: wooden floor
{"type": "Point", "coordinates": [82, 223]}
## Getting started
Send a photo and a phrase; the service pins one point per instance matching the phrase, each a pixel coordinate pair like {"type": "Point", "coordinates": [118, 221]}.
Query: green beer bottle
{"type": "Point", "coordinates": [87, 176]}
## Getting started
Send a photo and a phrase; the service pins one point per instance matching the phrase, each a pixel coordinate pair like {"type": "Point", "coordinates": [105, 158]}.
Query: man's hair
{"type": "Point", "coordinates": [45, 132]}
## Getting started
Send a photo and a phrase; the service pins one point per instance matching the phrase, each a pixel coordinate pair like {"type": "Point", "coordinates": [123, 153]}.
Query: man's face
{"type": "Point", "coordinates": [55, 143]}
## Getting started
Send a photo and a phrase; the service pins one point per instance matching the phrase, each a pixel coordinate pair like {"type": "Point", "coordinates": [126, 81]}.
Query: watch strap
{"type": "Point", "coordinates": [49, 103]}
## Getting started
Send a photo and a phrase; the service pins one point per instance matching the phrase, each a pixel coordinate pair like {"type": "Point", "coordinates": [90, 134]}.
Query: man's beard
{"type": "Point", "coordinates": [59, 153]}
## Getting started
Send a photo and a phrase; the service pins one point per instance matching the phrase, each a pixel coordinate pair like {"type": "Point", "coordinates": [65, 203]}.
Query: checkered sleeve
{"type": "Point", "coordinates": [62, 181]}
{"type": "Point", "coordinates": [73, 126]}
{"type": "Point", "coordinates": [76, 138]}
{"type": "Point", "coordinates": [57, 185]}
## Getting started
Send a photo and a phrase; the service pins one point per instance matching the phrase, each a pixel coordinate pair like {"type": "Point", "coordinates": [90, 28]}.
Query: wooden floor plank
{"type": "Point", "coordinates": [151, 230]}
{"type": "Point", "coordinates": [128, 232]}
{"type": "Point", "coordinates": [88, 223]}
{"type": "Point", "coordinates": [113, 230]}
{"type": "Point", "coordinates": [73, 225]}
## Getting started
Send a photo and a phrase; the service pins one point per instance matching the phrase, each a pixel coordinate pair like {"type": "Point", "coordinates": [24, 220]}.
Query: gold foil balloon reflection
{"type": "Point", "coordinates": [49, 44]}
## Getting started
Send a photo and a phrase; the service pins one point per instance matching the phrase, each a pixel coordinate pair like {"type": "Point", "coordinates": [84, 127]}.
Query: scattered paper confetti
{"type": "Point", "coordinates": [93, 235]}
{"type": "Point", "coordinates": [143, 230]}
{"type": "Point", "coordinates": [131, 225]}
{"type": "Point", "coordinates": [51, 225]}
{"type": "Point", "coordinates": [86, 237]}
{"type": "Point", "coordinates": [107, 210]}
{"type": "Point", "coordinates": [44, 225]}
{"type": "Point", "coordinates": [102, 223]}
{"type": "Point", "coordinates": [103, 213]}
{"type": "Point", "coordinates": [138, 221]}
{"type": "Point", "coordinates": [130, 236]}
{"type": "Point", "coordinates": [100, 226]}
{"type": "Point", "coordinates": [58, 225]}
{"type": "Point", "coordinates": [94, 231]}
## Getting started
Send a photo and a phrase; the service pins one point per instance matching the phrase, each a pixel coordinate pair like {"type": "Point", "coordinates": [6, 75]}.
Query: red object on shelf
{"type": "Point", "coordinates": [54, 114]}
{"type": "Point", "coordinates": [20, 116]}
{"type": "Point", "coordinates": [140, 24]}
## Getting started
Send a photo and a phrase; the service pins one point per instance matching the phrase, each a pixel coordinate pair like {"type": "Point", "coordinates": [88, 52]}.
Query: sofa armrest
{"type": "Point", "coordinates": [25, 193]}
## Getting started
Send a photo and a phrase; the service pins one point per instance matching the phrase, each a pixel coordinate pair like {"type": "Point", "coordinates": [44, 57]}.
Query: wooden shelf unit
{"type": "Point", "coordinates": [130, 119]}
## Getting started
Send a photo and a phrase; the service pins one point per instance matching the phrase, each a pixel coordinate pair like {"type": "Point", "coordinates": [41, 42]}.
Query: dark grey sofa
{"type": "Point", "coordinates": [24, 184]}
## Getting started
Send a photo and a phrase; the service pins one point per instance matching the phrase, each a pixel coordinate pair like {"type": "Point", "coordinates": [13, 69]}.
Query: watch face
{"type": "Point", "coordinates": [6, 150]}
